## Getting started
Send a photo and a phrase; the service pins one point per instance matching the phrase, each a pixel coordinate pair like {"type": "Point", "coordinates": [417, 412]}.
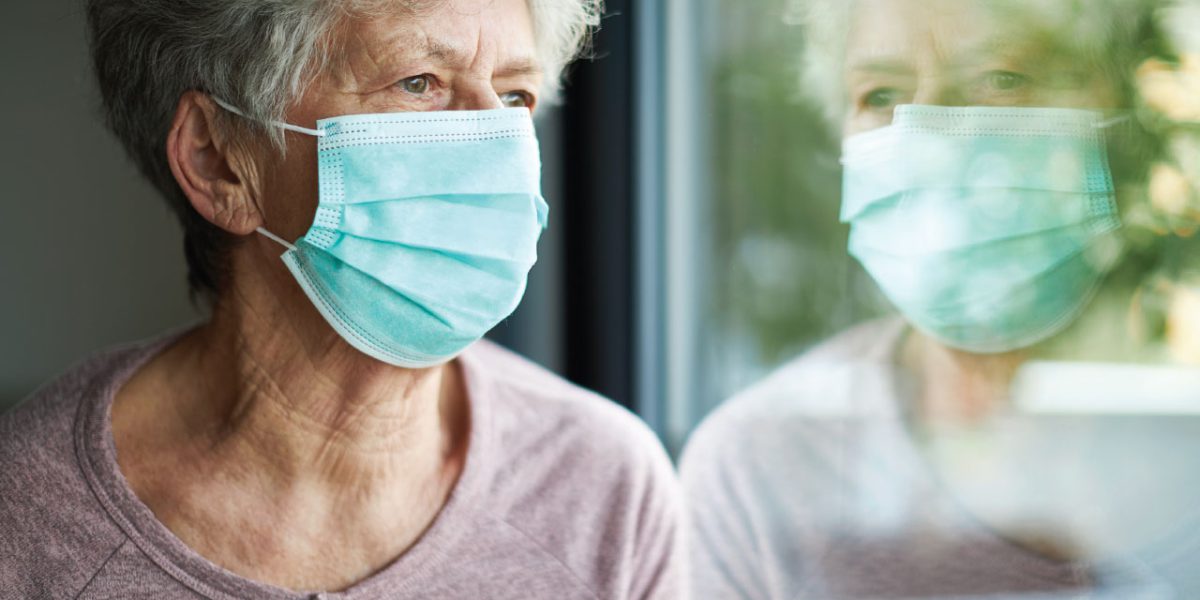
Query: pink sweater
{"type": "Point", "coordinates": [564, 495]}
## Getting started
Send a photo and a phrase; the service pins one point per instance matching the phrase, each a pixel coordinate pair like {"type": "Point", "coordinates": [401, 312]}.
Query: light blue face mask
{"type": "Point", "coordinates": [982, 225]}
{"type": "Point", "coordinates": [426, 228]}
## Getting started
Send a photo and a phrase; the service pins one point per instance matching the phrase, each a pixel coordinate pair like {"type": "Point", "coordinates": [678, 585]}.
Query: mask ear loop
{"type": "Point", "coordinates": [1113, 121]}
{"type": "Point", "coordinates": [288, 126]}
{"type": "Point", "coordinates": [276, 239]}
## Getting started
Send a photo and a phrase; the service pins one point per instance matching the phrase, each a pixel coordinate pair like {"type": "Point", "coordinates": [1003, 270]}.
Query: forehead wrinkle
{"type": "Point", "coordinates": [416, 40]}
{"type": "Point", "coordinates": [357, 60]}
{"type": "Point", "coordinates": [453, 54]}
{"type": "Point", "coordinates": [961, 36]}
{"type": "Point", "coordinates": [365, 56]}
{"type": "Point", "coordinates": [443, 51]}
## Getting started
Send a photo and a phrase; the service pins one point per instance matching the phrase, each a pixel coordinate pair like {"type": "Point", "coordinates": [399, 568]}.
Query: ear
{"type": "Point", "coordinates": [216, 176]}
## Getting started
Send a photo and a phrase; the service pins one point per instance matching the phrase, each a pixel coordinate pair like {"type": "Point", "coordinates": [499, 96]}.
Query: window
{"type": "Point", "coordinates": [930, 283]}
{"type": "Point", "coordinates": [758, 269]}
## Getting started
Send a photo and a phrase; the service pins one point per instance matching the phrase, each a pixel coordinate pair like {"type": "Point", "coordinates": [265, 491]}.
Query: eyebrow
{"type": "Point", "coordinates": [887, 66]}
{"type": "Point", "coordinates": [449, 54]}
{"type": "Point", "coordinates": [973, 55]}
{"type": "Point", "coordinates": [519, 67]}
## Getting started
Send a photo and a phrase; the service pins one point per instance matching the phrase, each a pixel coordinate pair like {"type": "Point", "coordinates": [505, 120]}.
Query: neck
{"type": "Point", "coordinates": [279, 391]}
{"type": "Point", "coordinates": [273, 448]}
{"type": "Point", "coordinates": [958, 388]}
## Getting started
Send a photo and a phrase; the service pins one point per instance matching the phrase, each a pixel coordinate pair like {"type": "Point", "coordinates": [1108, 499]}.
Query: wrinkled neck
{"type": "Point", "coordinates": [287, 392]}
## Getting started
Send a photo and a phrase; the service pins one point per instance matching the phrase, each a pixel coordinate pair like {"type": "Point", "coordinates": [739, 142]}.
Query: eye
{"type": "Point", "coordinates": [417, 86]}
{"type": "Point", "coordinates": [516, 99]}
{"type": "Point", "coordinates": [1006, 81]}
{"type": "Point", "coordinates": [881, 98]}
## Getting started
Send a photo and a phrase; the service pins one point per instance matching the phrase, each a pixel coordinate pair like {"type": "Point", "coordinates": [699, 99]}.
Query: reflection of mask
{"type": "Point", "coordinates": [976, 221]}
{"type": "Point", "coordinates": [426, 229]}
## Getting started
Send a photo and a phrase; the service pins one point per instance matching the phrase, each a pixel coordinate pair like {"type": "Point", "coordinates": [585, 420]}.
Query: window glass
{"type": "Point", "coordinates": [946, 331]}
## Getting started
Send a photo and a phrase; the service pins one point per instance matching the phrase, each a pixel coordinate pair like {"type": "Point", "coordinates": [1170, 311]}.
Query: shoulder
{"type": "Point", "coordinates": [825, 379]}
{"type": "Point", "coordinates": [764, 474]}
{"type": "Point", "coordinates": [538, 414]}
{"type": "Point", "coordinates": [37, 437]}
{"type": "Point", "coordinates": [784, 428]}
{"type": "Point", "coordinates": [53, 531]}
{"type": "Point", "coordinates": [850, 375]}
{"type": "Point", "coordinates": [580, 476]}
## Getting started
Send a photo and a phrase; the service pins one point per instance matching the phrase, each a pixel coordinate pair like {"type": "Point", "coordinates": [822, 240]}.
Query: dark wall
{"type": "Point", "coordinates": [88, 254]}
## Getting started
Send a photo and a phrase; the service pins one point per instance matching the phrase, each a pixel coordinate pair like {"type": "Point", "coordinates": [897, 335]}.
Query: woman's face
{"type": "Point", "coordinates": [963, 53]}
{"type": "Point", "coordinates": [455, 55]}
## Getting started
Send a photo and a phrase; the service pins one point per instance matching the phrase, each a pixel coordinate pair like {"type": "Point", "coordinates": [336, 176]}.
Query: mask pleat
{"type": "Point", "coordinates": [502, 227]}
{"type": "Point", "coordinates": [446, 283]}
{"type": "Point", "coordinates": [978, 222]}
{"type": "Point", "coordinates": [1043, 256]}
{"type": "Point", "coordinates": [955, 168]}
{"type": "Point", "coordinates": [505, 166]}
{"type": "Point", "coordinates": [1016, 316]}
{"type": "Point", "coordinates": [924, 222]}
{"type": "Point", "coordinates": [353, 299]}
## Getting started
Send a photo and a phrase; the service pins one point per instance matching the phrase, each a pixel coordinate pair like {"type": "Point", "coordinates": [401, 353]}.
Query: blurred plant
{"type": "Point", "coordinates": [1170, 93]}
{"type": "Point", "coordinates": [1172, 88]}
{"type": "Point", "coordinates": [1168, 86]}
{"type": "Point", "coordinates": [1183, 323]}
{"type": "Point", "coordinates": [782, 276]}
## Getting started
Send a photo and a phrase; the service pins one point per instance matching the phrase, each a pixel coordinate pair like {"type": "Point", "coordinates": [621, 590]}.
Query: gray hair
{"type": "Point", "coordinates": [1110, 33]}
{"type": "Point", "coordinates": [256, 54]}
{"type": "Point", "coordinates": [825, 25]}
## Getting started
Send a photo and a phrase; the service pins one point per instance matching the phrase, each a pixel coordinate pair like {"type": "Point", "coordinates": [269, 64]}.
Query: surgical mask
{"type": "Point", "coordinates": [984, 226]}
{"type": "Point", "coordinates": [426, 228]}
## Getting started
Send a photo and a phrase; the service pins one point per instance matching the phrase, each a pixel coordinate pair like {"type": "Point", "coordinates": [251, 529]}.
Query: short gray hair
{"type": "Point", "coordinates": [257, 54]}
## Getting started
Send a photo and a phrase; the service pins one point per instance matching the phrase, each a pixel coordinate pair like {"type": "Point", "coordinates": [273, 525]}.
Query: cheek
{"type": "Point", "coordinates": [289, 196]}
{"type": "Point", "coordinates": [865, 121]}
{"type": "Point", "coordinates": [1102, 94]}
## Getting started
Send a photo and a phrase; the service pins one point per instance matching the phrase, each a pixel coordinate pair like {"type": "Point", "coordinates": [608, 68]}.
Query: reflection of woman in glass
{"type": "Point", "coordinates": [997, 191]}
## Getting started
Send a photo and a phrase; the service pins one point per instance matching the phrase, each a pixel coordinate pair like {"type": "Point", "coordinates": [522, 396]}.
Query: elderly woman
{"type": "Point", "coordinates": [987, 146]}
{"type": "Point", "coordinates": [336, 428]}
